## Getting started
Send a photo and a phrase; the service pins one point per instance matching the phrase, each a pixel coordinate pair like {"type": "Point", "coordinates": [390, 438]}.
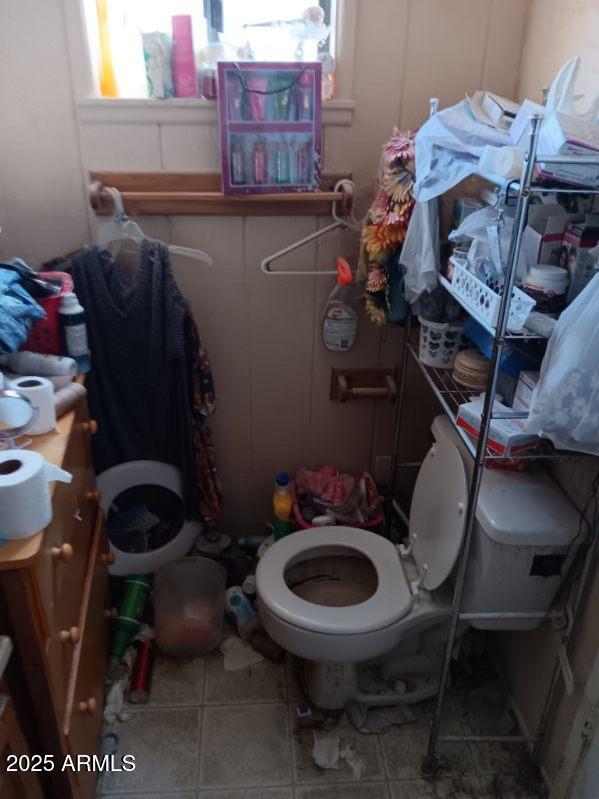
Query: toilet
{"type": "Point", "coordinates": [339, 596]}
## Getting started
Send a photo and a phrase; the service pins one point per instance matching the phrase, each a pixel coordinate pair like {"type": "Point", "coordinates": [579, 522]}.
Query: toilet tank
{"type": "Point", "coordinates": [522, 544]}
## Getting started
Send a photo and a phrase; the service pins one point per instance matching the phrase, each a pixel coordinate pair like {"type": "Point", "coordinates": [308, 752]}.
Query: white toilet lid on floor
{"type": "Point", "coordinates": [438, 513]}
{"type": "Point", "coordinates": [391, 601]}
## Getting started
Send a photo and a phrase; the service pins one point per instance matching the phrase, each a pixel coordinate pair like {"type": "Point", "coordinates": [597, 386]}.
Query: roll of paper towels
{"type": "Point", "coordinates": [40, 393]}
{"type": "Point", "coordinates": [25, 504]}
{"type": "Point", "coordinates": [505, 162]}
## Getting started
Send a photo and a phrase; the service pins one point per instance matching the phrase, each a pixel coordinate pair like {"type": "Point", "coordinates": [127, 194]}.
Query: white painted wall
{"type": "Point", "coordinates": [42, 201]}
{"type": "Point", "coordinates": [558, 30]}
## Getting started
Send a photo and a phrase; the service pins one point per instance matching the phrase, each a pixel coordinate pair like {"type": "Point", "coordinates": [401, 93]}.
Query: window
{"type": "Point", "coordinates": [262, 30]}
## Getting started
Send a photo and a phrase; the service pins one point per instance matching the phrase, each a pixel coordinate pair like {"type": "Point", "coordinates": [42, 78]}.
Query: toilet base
{"type": "Point", "coordinates": [330, 686]}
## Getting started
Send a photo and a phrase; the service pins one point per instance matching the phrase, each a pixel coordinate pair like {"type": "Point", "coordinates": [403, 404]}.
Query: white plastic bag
{"type": "Point", "coordinates": [565, 403]}
{"type": "Point", "coordinates": [448, 148]}
{"type": "Point", "coordinates": [420, 251]}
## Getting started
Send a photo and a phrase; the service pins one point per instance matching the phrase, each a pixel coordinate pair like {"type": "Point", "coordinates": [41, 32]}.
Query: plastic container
{"type": "Point", "coordinates": [484, 303]}
{"type": "Point", "coordinates": [440, 342]}
{"type": "Point", "coordinates": [340, 320]}
{"type": "Point", "coordinates": [45, 333]}
{"type": "Point", "coordinates": [189, 604]}
{"type": "Point", "coordinates": [367, 525]}
{"type": "Point", "coordinates": [74, 331]}
{"type": "Point", "coordinates": [282, 505]}
{"type": "Point", "coordinates": [547, 285]}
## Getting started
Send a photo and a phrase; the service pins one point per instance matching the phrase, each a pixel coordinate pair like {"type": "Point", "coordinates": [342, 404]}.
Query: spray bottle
{"type": "Point", "coordinates": [340, 321]}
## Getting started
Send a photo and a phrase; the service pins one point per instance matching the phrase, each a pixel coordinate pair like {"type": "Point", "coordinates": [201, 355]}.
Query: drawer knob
{"type": "Point", "coordinates": [89, 707]}
{"type": "Point", "coordinates": [70, 636]}
{"type": "Point", "coordinates": [92, 496]}
{"type": "Point", "coordinates": [90, 427]}
{"type": "Point", "coordinates": [63, 552]}
{"type": "Point", "coordinates": [111, 613]}
{"type": "Point", "coordinates": [108, 558]}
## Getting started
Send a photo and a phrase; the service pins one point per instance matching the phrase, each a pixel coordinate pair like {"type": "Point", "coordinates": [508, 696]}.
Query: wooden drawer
{"type": "Point", "coordinates": [62, 560]}
{"type": "Point", "coordinates": [83, 714]}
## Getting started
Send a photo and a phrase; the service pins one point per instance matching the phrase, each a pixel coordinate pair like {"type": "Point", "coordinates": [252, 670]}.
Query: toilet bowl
{"type": "Point", "coordinates": [339, 596]}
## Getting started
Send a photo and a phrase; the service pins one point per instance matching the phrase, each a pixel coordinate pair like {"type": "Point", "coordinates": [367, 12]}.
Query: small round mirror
{"type": "Point", "coordinates": [17, 414]}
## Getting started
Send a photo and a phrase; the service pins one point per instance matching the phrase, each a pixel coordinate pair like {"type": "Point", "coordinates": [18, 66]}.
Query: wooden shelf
{"type": "Point", "coordinates": [199, 194]}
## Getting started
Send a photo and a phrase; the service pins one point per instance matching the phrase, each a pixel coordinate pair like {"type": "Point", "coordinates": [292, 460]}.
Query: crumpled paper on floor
{"type": "Point", "coordinates": [238, 655]}
{"type": "Point", "coordinates": [327, 751]}
{"type": "Point", "coordinates": [378, 719]}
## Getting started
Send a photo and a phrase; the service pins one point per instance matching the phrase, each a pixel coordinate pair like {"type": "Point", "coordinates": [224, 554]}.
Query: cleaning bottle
{"type": "Point", "coordinates": [282, 504]}
{"type": "Point", "coordinates": [73, 331]}
{"type": "Point", "coordinates": [340, 321]}
{"type": "Point", "coordinates": [241, 613]}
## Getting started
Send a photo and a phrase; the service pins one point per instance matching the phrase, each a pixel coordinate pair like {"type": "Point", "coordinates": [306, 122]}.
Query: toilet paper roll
{"type": "Point", "coordinates": [25, 504]}
{"type": "Point", "coordinates": [40, 392]}
{"type": "Point", "coordinates": [505, 162]}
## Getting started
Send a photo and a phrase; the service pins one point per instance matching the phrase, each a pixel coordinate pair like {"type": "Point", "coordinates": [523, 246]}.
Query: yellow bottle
{"type": "Point", "coordinates": [108, 84]}
{"type": "Point", "coordinates": [283, 505]}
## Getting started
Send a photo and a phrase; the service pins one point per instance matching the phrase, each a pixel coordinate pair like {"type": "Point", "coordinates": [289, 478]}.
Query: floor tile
{"type": "Point", "coordinates": [404, 747]}
{"type": "Point", "coordinates": [344, 790]}
{"type": "Point", "coordinates": [149, 796]}
{"type": "Point", "coordinates": [245, 745]}
{"type": "Point", "coordinates": [264, 682]}
{"type": "Point", "coordinates": [483, 711]}
{"type": "Point", "coordinates": [512, 786]}
{"type": "Point", "coordinates": [177, 681]}
{"type": "Point", "coordinates": [367, 757]}
{"type": "Point", "coordinates": [165, 745]}
{"type": "Point", "coordinates": [449, 788]}
{"type": "Point", "coordinates": [249, 793]}
{"type": "Point", "coordinates": [295, 690]}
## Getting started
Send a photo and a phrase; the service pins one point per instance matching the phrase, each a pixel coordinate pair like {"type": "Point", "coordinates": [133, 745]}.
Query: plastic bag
{"type": "Point", "coordinates": [565, 403]}
{"type": "Point", "coordinates": [420, 251]}
{"type": "Point", "coordinates": [448, 149]}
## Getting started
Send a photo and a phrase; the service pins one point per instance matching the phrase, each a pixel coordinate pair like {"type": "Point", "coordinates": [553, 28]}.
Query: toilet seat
{"type": "Point", "coordinates": [390, 602]}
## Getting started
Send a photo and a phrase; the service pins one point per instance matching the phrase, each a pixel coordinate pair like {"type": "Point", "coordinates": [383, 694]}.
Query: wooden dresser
{"type": "Point", "coordinates": [53, 604]}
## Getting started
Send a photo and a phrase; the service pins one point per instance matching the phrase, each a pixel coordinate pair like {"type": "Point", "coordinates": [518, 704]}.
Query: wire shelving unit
{"type": "Point", "coordinates": [450, 395]}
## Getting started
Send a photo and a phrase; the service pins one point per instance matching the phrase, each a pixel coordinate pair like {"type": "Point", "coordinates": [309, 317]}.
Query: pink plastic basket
{"type": "Point", "coordinates": [369, 525]}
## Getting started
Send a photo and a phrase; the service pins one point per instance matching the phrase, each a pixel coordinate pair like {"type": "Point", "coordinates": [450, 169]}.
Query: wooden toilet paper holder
{"type": "Point", "coordinates": [372, 383]}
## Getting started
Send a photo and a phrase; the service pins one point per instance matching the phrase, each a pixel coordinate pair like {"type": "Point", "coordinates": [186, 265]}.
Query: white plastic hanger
{"type": "Point", "coordinates": [340, 223]}
{"type": "Point", "coordinates": [120, 228]}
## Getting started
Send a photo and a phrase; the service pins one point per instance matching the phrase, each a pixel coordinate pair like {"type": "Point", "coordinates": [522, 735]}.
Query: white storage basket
{"type": "Point", "coordinates": [440, 342]}
{"type": "Point", "coordinates": [484, 302]}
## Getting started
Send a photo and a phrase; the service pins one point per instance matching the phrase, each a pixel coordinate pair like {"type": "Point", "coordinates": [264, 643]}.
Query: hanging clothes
{"type": "Point", "coordinates": [143, 383]}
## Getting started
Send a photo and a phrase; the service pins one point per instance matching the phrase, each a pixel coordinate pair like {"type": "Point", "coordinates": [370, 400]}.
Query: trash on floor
{"type": "Point", "coordinates": [238, 655]}
{"type": "Point", "coordinates": [328, 750]}
{"type": "Point", "coordinates": [377, 719]}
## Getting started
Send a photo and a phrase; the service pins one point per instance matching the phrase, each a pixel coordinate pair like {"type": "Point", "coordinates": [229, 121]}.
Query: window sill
{"type": "Point", "coordinates": [338, 113]}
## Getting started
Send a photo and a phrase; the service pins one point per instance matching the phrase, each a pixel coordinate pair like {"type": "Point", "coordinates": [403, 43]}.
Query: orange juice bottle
{"type": "Point", "coordinates": [283, 505]}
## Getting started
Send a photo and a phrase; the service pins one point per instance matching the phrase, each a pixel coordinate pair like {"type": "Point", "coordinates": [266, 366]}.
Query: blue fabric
{"type": "Point", "coordinates": [18, 310]}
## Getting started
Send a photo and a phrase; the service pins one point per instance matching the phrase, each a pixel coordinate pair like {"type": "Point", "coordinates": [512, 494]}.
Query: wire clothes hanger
{"type": "Point", "coordinates": [121, 228]}
{"type": "Point", "coordinates": [341, 223]}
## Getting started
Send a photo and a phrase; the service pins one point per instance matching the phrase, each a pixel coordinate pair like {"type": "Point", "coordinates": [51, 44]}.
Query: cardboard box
{"type": "Point", "coordinates": [543, 236]}
{"type": "Point", "coordinates": [563, 134]}
{"type": "Point", "coordinates": [505, 436]}
{"type": "Point", "coordinates": [520, 127]}
{"type": "Point", "coordinates": [527, 382]}
{"type": "Point", "coordinates": [576, 253]}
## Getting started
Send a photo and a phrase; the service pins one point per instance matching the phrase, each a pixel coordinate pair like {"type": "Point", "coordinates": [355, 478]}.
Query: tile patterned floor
{"type": "Point", "coordinates": [208, 734]}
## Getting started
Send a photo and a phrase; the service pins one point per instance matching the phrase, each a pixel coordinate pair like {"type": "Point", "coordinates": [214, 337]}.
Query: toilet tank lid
{"type": "Point", "coordinates": [525, 509]}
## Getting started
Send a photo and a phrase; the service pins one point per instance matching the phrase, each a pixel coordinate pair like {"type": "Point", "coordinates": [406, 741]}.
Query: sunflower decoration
{"type": "Point", "coordinates": [386, 223]}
